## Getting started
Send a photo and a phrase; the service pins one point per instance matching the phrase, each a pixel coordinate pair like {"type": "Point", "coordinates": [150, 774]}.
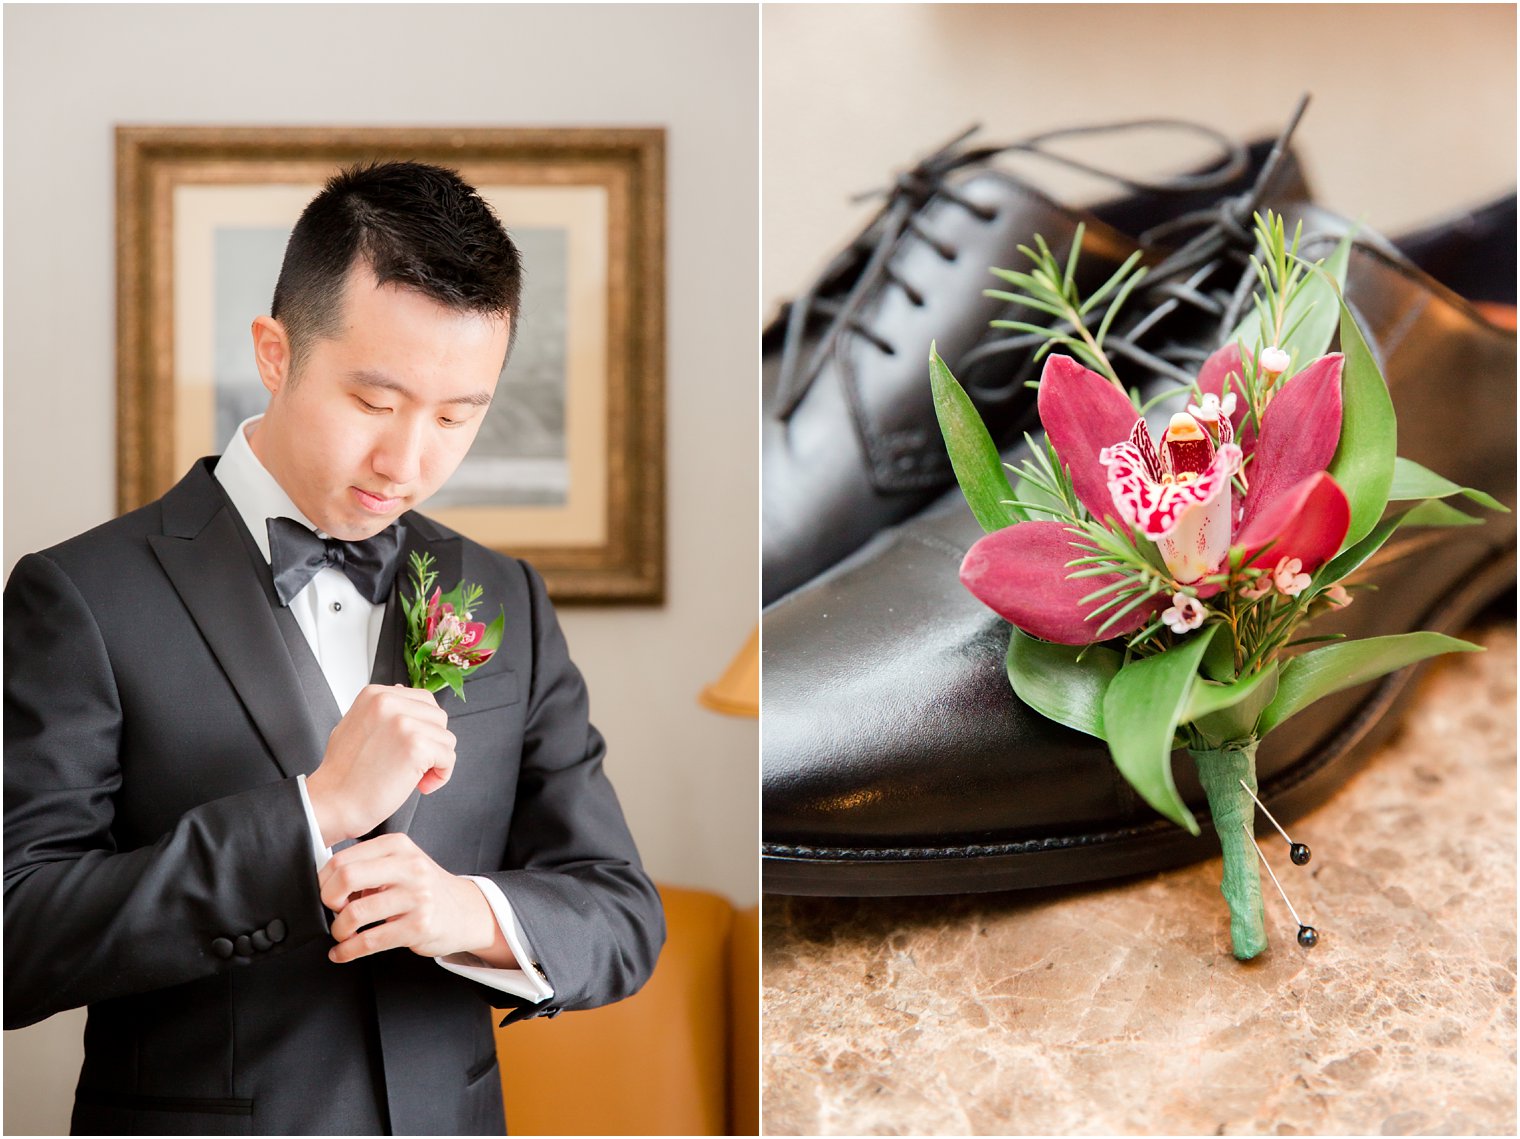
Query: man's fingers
{"type": "Point", "coordinates": [441, 771]}
{"type": "Point", "coordinates": [340, 887]}
{"type": "Point", "coordinates": [382, 905]}
{"type": "Point", "coordinates": [391, 935]}
{"type": "Point", "coordinates": [415, 700]}
{"type": "Point", "coordinates": [361, 867]}
{"type": "Point", "coordinates": [377, 705]}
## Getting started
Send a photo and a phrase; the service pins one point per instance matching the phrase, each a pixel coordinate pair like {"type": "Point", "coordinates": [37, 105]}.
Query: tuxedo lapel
{"type": "Point", "coordinates": [422, 537]}
{"type": "Point", "coordinates": [204, 552]}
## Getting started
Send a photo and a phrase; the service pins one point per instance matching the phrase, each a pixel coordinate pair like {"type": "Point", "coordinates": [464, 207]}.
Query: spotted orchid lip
{"type": "Point", "coordinates": [1143, 495]}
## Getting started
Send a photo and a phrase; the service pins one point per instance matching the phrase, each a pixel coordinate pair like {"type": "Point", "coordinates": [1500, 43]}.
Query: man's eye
{"type": "Point", "coordinates": [364, 403]}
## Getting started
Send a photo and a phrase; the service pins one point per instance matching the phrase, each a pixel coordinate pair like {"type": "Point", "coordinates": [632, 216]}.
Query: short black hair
{"type": "Point", "coordinates": [415, 225]}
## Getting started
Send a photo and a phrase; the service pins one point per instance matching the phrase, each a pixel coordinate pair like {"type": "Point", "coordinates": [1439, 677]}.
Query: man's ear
{"type": "Point", "coordinates": [271, 352]}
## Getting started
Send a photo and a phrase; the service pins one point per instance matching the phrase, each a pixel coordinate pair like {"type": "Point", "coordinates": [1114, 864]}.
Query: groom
{"type": "Point", "coordinates": [206, 697]}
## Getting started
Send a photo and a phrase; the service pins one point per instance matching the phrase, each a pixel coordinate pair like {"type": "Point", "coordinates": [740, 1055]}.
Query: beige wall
{"type": "Point", "coordinates": [686, 776]}
{"type": "Point", "coordinates": [1413, 111]}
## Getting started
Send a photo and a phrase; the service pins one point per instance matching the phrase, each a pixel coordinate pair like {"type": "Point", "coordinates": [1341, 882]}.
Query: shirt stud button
{"type": "Point", "coordinates": [337, 606]}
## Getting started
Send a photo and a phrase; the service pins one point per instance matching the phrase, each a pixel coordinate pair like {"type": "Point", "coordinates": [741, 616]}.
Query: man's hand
{"type": "Point", "coordinates": [392, 740]}
{"type": "Point", "coordinates": [424, 908]}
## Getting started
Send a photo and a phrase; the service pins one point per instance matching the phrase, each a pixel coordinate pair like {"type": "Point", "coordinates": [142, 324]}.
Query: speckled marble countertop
{"type": "Point", "coordinates": [1119, 1010]}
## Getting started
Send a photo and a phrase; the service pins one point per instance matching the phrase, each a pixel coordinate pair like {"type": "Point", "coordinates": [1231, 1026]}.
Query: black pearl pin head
{"type": "Point", "coordinates": [1308, 936]}
{"type": "Point", "coordinates": [1300, 854]}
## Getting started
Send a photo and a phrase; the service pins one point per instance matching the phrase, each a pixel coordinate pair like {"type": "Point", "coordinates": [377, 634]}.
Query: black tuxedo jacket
{"type": "Point", "coordinates": [158, 865]}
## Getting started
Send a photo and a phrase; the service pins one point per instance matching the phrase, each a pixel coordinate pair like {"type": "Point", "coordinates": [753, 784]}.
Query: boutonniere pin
{"type": "Point", "coordinates": [444, 645]}
{"type": "Point", "coordinates": [1157, 586]}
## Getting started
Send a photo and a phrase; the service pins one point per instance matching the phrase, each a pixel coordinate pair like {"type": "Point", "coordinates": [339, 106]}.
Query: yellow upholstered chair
{"type": "Point", "coordinates": [680, 1057]}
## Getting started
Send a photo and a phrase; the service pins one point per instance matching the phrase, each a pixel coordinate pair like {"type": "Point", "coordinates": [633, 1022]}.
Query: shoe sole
{"type": "Point", "coordinates": [979, 867]}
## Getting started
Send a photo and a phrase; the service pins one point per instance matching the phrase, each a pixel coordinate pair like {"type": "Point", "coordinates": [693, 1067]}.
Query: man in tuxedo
{"type": "Point", "coordinates": [207, 696]}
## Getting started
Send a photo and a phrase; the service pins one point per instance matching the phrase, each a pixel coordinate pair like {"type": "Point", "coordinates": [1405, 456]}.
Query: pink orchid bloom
{"type": "Point", "coordinates": [434, 613]}
{"type": "Point", "coordinates": [1293, 508]}
{"type": "Point", "coordinates": [1177, 496]}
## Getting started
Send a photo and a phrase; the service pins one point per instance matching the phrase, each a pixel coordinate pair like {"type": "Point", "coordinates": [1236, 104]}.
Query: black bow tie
{"type": "Point", "coordinates": [296, 555]}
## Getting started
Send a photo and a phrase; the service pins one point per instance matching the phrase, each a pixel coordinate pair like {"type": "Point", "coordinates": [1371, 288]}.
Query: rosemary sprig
{"type": "Point", "coordinates": [1051, 288]}
{"type": "Point", "coordinates": [1044, 473]}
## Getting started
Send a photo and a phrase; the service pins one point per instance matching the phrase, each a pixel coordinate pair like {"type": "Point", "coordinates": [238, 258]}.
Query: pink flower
{"type": "Point", "coordinates": [434, 613]}
{"type": "Point", "coordinates": [1273, 361]}
{"type": "Point", "coordinates": [1338, 596]}
{"type": "Point", "coordinates": [1293, 508]}
{"type": "Point", "coordinates": [1177, 496]}
{"type": "Point", "coordinates": [1185, 615]}
{"type": "Point", "coordinates": [1211, 409]}
{"type": "Point", "coordinates": [1257, 587]}
{"type": "Point", "coordinates": [1289, 577]}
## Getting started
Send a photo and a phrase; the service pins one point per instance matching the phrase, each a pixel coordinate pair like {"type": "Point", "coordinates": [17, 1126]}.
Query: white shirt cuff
{"type": "Point", "coordinates": [526, 982]}
{"type": "Point", "coordinates": [319, 852]}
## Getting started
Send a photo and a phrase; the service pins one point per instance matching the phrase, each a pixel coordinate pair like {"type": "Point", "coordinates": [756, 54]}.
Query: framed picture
{"type": "Point", "coordinates": [568, 469]}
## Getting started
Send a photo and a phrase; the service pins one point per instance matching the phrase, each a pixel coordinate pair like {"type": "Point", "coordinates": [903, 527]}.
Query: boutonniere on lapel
{"type": "Point", "coordinates": [1157, 589]}
{"type": "Point", "coordinates": [444, 646]}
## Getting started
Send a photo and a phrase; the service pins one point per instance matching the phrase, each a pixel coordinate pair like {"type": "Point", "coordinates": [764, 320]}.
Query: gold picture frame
{"type": "Point", "coordinates": [576, 481]}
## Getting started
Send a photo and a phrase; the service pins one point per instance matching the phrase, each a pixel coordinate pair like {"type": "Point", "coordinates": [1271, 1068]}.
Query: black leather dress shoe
{"type": "Point", "coordinates": [897, 761]}
{"type": "Point", "coordinates": [850, 444]}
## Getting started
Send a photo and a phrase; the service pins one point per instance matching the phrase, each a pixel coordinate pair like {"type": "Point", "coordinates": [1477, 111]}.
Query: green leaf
{"type": "Point", "coordinates": [1315, 674]}
{"type": "Point", "coordinates": [1411, 481]}
{"type": "Point", "coordinates": [1311, 313]}
{"type": "Point", "coordinates": [1052, 681]}
{"type": "Point", "coordinates": [1434, 512]}
{"type": "Point", "coordinates": [1141, 710]}
{"type": "Point", "coordinates": [974, 456]}
{"type": "Point", "coordinates": [1219, 660]}
{"type": "Point", "coordinates": [1227, 712]}
{"type": "Point", "coordinates": [1313, 308]}
{"type": "Point", "coordinates": [451, 675]}
{"type": "Point", "coordinates": [492, 638]}
{"type": "Point", "coordinates": [1364, 462]}
{"type": "Point", "coordinates": [1349, 560]}
{"type": "Point", "coordinates": [1345, 563]}
{"type": "Point", "coordinates": [1071, 257]}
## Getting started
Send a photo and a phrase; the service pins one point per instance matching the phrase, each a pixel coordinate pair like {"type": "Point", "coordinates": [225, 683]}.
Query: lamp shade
{"type": "Point", "coordinates": [737, 691]}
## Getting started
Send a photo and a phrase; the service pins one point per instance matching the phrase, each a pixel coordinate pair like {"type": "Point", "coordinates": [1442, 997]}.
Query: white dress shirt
{"type": "Point", "coordinates": [343, 629]}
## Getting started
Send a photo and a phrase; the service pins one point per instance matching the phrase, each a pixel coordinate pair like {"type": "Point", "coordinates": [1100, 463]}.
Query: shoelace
{"type": "Point", "coordinates": [909, 193]}
{"type": "Point", "coordinates": [1196, 275]}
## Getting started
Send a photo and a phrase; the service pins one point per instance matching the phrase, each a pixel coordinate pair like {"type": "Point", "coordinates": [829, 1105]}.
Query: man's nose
{"type": "Point", "coordinates": [398, 456]}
